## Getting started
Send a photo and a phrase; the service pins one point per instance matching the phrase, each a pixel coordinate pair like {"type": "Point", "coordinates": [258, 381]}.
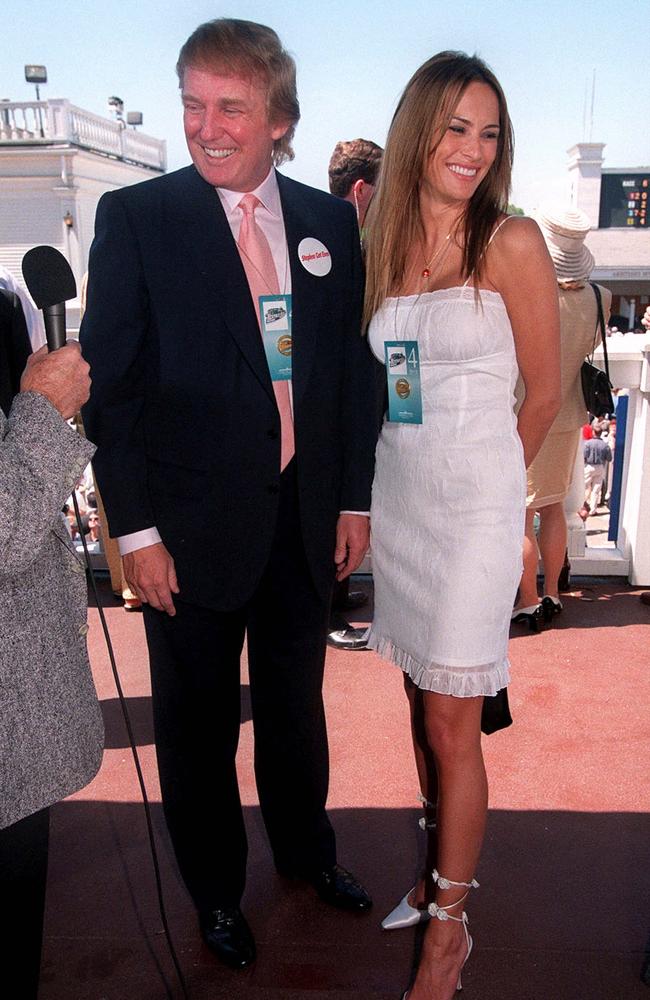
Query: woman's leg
{"type": "Point", "coordinates": [428, 778]}
{"type": "Point", "coordinates": [528, 587]}
{"type": "Point", "coordinates": [552, 544]}
{"type": "Point", "coordinates": [453, 731]}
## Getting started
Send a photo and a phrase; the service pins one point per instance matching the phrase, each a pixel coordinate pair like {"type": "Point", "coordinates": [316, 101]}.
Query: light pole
{"type": "Point", "coordinates": [37, 75]}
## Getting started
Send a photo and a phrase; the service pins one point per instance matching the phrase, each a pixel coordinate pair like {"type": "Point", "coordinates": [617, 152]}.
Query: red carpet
{"type": "Point", "coordinates": [563, 910]}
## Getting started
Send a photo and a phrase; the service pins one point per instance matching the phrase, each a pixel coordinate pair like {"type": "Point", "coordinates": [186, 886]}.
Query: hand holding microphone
{"type": "Point", "coordinates": [61, 375]}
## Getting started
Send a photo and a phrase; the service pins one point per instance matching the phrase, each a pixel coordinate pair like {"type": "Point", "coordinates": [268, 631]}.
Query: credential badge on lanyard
{"type": "Point", "coordinates": [403, 375]}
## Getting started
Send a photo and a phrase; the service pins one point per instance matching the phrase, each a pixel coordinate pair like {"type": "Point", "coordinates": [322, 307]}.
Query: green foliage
{"type": "Point", "coordinates": [515, 210]}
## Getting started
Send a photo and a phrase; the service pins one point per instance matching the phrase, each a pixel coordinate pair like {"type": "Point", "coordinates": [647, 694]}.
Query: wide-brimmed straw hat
{"type": "Point", "coordinates": [564, 231]}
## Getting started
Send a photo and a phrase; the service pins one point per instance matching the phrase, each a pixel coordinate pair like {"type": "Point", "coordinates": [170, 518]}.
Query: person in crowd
{"type": "Point", "coordinates": [92, 532]}
{"type": "Point", "coordinates": [51, 733]}
{"type": "Point", "coordinates": [596, 454]}
{"type": "Point", "coordinates": [190, 411]}
{"type": "Point", "coordinates": [551, 471]}
{"type": "Point", "coordinates": [353, 171]}
{"type": "Point", "coordinates": [466, 290]}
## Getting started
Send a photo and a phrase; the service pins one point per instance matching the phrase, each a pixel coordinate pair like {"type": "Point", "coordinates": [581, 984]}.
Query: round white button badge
{"type": "Point", "coordinates": [314, 256]}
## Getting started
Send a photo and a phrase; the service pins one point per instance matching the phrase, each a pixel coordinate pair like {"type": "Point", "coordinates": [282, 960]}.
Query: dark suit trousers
{"type": "Point", "coordinates": [23, 877]}
{"type": "Point", "coordinates": [196, 699]}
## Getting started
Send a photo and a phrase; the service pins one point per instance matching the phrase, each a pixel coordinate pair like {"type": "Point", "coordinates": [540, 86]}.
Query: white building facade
{"type": "Point", "coordinates": [56, 161]}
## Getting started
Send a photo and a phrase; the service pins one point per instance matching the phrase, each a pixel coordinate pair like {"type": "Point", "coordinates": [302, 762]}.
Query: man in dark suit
{"type": "Point", "coordinates": [198, 406]}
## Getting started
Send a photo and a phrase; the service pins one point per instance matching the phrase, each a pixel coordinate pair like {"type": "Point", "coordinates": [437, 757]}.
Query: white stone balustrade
{"type": "Point", "coordinates": [58, 121]}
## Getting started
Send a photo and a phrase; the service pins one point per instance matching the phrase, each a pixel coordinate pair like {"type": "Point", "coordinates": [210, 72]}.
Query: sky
{"type": "Point", "coordinates": [353, 61]}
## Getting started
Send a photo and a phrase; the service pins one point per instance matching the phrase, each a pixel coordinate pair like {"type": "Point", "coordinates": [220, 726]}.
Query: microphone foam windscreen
{"type": "Point", "coordinates": [48, 276]}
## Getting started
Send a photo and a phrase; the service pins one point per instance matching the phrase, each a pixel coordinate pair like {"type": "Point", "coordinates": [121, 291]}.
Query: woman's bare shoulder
{"type": "Point", "coordinates": [518, 248]}
{"type": "Point", "coordinates": [516, 234]}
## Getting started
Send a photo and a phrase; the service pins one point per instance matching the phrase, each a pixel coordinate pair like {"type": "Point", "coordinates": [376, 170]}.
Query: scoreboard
{"type": "Point", "coordinates": [624, 200]}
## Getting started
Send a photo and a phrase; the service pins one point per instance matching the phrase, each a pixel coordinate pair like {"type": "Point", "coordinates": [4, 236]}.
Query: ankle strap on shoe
{"type": "Point", "coordinates": [441, 911]}
{"type": "Point", "coordinates": [423, 822]}
{"type": "Point", "coordinates": [447, 883]}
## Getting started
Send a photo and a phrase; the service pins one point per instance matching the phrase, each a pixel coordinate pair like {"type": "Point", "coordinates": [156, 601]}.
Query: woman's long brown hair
{"type": "Point", "coordinates": [422, 117]}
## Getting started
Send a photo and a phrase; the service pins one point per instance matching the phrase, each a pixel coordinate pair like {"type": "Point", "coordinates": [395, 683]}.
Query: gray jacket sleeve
{"type": "Point", "coordinates": [51, 732]}
{"type": "Point", "coordinates": [41, 460]}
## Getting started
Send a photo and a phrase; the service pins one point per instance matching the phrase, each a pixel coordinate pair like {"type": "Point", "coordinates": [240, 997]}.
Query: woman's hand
{"type": "Point", "coordinates": [520, 268]}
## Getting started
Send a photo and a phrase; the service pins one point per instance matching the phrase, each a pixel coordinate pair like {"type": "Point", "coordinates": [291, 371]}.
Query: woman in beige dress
{"type": "Point", "coordinates": [550, 473]}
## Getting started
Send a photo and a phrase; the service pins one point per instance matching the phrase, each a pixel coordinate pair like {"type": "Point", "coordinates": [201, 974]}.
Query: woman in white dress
{"type": "Point", "coordinates": [448, 270]}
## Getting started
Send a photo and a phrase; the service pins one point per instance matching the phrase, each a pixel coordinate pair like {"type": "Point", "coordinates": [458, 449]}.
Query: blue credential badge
{"type": "Point", "coordinates": [403, 374]}
{"type": "Point", "coordinates": [275, 321]}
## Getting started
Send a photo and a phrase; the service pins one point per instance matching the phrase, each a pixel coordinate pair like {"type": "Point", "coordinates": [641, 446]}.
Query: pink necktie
{"type": "Point", "coordinates": [257, 259]}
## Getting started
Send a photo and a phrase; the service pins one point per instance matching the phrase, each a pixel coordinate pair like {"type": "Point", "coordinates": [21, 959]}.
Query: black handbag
{"type": "Point", "coordinates": [496, 712]}
{"type": "Point", "coordinates": [596, 384]}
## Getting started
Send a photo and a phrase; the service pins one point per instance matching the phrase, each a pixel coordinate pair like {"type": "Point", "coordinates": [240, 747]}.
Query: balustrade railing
{"type": "Point", "coordinates": [58, 121]}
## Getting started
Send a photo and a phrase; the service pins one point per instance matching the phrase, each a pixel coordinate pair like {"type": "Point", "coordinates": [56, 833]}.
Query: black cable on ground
{"type": "Point", "coordinates": [136, 758]}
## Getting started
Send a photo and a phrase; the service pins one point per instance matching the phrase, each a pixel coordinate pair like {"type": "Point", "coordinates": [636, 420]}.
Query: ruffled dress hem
{"type": "Point", "coordinates": [460, 682]}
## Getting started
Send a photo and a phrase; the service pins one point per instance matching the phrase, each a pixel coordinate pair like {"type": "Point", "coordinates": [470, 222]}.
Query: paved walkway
{"type": "Point", "coordinates": [564, 907]}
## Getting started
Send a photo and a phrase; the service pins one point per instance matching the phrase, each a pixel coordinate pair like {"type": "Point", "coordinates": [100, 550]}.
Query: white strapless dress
{"type": "Point", "coordinates": [448, 500]}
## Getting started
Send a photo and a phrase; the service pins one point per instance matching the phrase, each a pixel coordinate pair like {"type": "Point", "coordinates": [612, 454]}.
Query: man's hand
{"type": "Point", "coordinates": [352, 541]}
{"type": "Point", "coordinates": [150, 574]}
{"type": "Point", "coordinates": [61, 376]}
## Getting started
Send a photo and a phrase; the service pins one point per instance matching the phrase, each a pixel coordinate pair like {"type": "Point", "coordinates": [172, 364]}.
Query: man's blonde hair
{"type": "Point", "coordinates": [227, 45]}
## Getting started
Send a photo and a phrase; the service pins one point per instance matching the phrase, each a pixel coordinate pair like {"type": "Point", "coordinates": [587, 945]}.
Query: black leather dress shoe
{"type": "Point", "coordinates": [339, 888]}
{"type": "Point", "coordinates": [227, 934]}
{"type": "Point", "coordinates": [348, 638]}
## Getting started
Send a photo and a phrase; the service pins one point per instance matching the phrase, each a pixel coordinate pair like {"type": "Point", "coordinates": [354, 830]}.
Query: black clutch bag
{"type": "Point", "coordinates": [496, 712]}
{"type": "Point", "coordinates": [596, 384]}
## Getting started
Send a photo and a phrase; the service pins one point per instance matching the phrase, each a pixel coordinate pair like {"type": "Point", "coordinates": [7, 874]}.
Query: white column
{"type": "Point", "coordinates": [585, 170]}
{"type": "Point", "coordinates": [631, 314]}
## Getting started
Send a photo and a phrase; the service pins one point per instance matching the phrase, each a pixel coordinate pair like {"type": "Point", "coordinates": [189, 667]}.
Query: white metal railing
{"type": "Point", "coordinates": [58, 121]}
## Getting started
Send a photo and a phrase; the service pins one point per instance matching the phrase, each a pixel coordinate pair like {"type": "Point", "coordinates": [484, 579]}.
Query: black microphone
{"type": "Point", "coordinates": [51, 283]}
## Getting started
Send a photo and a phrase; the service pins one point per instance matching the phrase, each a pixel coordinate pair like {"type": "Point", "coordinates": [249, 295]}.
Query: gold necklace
{"type": "Point", "coordinates": [426, 272]}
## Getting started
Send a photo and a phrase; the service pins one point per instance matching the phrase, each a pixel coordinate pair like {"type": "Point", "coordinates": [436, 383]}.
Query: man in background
{"type": "Point", "coordinates": [596, 454]}
{"type": "Point", "coordinates": [353, 173]}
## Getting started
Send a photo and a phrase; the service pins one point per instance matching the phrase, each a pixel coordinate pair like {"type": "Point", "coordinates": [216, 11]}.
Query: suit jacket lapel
{"type": "Point", "coordinates": [307, 291]}
{"type": "Point", "coordinates": [222, 283]}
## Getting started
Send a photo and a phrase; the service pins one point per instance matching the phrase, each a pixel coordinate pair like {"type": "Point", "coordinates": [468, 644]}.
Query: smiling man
{"type": "Point", "coordinates": [230, 376]}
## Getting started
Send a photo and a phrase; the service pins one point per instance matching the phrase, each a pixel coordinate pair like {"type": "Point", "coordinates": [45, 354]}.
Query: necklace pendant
{"type": "Point", "coordinates": [426, 273]}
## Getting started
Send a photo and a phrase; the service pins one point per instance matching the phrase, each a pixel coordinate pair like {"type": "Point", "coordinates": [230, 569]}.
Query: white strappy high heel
{"type": "Point", "coordinates": [440, 913]}
{"type": "Point", "coordinates": [405, 915]}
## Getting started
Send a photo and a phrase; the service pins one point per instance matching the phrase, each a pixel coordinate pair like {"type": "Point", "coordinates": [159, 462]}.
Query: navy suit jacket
{"type": "Point", "coordinates": [182, 406]}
